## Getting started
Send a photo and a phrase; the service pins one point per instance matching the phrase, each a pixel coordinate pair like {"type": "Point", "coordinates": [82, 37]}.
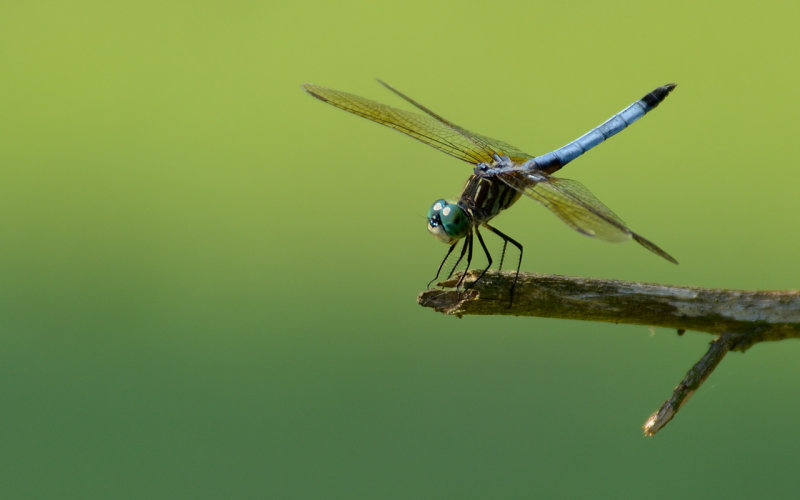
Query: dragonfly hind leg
{"type": "Point", "coordinates": [502, 255]}
{"type": "Point", "coordinates": [506, 240]}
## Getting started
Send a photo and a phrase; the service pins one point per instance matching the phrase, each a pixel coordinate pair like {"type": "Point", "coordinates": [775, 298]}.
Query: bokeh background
{"type": "Point", "coordinates": [208, 278]}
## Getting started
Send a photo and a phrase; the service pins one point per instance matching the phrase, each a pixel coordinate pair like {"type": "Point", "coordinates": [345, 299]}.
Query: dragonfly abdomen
{"type": "Point", "coordinates": [485, 197]}
{"type": "Point", "coordinates": [554, 160]}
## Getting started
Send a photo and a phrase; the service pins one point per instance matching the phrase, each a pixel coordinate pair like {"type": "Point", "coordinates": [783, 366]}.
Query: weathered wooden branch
{"type": "Point", "coordinates": [738, 318]}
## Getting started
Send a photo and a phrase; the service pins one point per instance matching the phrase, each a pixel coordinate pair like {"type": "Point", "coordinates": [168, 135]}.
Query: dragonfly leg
{"type": "Point", "coordinates": [468, 246]}
{"type": "Point", "coordinates": [460, 256]}
{"type": "Point", "coordinates": [438, 271]}
{"type": "Point", "coordinates": [507, 239]}
{"type": "Point", "coordinates": [488, 257]}
{"type": "Point", "coordinates": [503, 255]}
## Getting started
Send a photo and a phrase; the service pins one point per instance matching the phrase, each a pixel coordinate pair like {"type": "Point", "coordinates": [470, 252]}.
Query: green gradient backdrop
{"type": "Point", "coordinates": [209, 278]}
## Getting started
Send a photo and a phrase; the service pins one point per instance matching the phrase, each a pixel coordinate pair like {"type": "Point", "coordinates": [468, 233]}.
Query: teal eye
{"type": "Point", "coordinates": [455, 221]}
{"type": "Point", "coordinates": [448, 221]}
{"type": "Point", "coordinates": [435, 210]}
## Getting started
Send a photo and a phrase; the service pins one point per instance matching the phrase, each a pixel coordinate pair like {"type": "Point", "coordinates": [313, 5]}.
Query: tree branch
{"type": "Point", "coordinates": [738, 318]}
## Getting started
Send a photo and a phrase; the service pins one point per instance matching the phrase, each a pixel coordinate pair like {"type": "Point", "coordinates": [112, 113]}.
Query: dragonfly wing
{"type": "Point", "coordinates": [574, 204]}
{"type": "Point", "coordinates": [494, 146]}
{"type": "Point", "coordinates": [500, 147]}
{"type": "Point", "coordinates": [423, 128]}
{"type": "Point", "coordinates": [430, 128]}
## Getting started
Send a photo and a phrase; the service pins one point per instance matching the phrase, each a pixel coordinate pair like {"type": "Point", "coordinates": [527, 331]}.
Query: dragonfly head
{"type": "Point", "coordinates": [447, 221]}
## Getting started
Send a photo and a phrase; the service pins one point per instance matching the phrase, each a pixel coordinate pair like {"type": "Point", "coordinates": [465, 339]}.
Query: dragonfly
{"type": "Point", "coordinates": [503, 173]}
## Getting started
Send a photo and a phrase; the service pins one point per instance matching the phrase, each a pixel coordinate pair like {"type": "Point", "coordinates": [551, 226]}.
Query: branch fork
{"type": "Point", "coordinates": [738, 318]}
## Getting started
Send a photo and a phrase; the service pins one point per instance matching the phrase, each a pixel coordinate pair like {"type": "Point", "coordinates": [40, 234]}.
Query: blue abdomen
{"type": "Point", "coordinates": [554, 160]}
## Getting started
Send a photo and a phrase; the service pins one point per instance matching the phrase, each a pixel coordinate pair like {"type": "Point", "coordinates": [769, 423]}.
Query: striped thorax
{"type": "Point", "coordinates": [484, 197]}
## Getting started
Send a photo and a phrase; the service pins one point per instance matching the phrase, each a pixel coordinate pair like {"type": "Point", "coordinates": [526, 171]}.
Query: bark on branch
{"type": "Point", "coordinates": [737, 318]}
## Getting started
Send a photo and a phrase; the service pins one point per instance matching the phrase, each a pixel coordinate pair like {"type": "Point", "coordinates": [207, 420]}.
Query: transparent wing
{"type": "Point", "coordinates": [487, 143]}
{"type": "Point", "coordinates": [430, 129]}
{"type": "Point", "coordinates": [574, 204]}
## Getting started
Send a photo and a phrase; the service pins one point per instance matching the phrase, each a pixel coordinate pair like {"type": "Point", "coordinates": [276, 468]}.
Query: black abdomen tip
{"type": "Point", "coordinates": [652, 99]}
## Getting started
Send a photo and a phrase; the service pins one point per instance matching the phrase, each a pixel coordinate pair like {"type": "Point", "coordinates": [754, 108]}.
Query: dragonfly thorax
{"type": "Point", "coordinates": [484, 197]}
{"type": "Point", "coordinates": [448, 221]}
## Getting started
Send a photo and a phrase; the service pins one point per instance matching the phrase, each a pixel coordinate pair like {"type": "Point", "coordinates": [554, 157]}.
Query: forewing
{"type": "Point", "coordinates": [494, 146]}
{"type": "Point", "coordinates": [423, 128]}
{"type": "Point", "coordinates": [499, 147]}
{"type": "Point", "coordinates": [429, 128]}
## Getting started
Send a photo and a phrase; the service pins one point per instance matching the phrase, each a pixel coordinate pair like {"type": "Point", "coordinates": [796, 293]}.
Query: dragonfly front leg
{"type": "Point", "coordinates": [438, 271]}
{"type": "Point", "coordinates": [468, 246]}
{"type": "Point", "coordinates": [460, 256]}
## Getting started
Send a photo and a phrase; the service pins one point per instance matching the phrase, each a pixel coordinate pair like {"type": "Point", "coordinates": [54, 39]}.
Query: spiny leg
{"type": "Point", "coordinates": [468, 245]}
{"type": "Point", "coordinates": [460, 256]}
{"type": "Point", "coordinates": [438, 271]}
{"type": "Point", "coordinates": [488, 257]}
{"type": "Point", "coordinates": [502, 255]}
{"type": "Point", "coordinates": [514, 242]}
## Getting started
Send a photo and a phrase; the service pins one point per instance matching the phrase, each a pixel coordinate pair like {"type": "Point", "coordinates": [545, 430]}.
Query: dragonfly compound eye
{"type": "Point", "coordinates": [455, 221]}
{"type": "Point", "coordinates": [434, 213]}
{"type": "Point", "coordinates": [447, 221]}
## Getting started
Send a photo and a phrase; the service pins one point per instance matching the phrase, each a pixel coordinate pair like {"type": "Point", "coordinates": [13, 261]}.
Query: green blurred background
{"type": "Point", "coordinates": [209, 278]}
